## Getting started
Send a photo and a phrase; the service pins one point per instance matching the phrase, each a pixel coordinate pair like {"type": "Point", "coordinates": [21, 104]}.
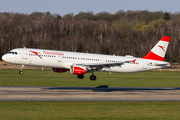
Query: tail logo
{"type": "Point", "coordinates": [161, 47]}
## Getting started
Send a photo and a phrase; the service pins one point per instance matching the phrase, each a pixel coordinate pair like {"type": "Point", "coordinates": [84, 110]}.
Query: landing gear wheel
{"type": "Point", "coordinates": [21, 72]}
{"type": "Point", "coordinates": [80, 76]}
{"type": "Point", "coordinates": [93, 77]}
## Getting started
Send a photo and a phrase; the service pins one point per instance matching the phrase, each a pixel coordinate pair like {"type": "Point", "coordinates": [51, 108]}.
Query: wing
{"type": "Point", "coordinates": [101, 65]}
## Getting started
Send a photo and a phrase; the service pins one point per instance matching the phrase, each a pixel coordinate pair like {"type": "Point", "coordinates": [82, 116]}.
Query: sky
{"type": "Point", "coordinates": [63, 7]}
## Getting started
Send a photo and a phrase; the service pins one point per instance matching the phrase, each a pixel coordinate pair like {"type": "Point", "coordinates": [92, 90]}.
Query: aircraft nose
{"type": "Point", "coordinates": [4, 57]}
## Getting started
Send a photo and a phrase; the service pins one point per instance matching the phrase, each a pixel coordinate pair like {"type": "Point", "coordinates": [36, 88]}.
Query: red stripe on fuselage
{"type": "Point", "coordinates": [153, 56]}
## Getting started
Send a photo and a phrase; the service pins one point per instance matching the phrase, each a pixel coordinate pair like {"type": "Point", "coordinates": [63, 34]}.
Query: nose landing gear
{"type": "Point", "coordinates": [21, 72]}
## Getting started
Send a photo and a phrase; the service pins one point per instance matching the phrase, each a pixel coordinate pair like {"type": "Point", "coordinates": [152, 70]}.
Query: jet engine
{"type": "Point", "coordinates": [59, 70]}
{"type": "Point", "coordinates": [78, 70]}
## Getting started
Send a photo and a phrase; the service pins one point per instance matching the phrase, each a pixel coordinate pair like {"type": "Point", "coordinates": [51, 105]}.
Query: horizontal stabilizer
{"type": "Point", "coordinates": [163, 64]}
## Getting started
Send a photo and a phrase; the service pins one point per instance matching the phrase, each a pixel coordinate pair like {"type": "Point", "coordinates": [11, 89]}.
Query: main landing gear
{"type": "Point", "coordinates": [21, 72]}
{"type": "Point", "coordinates": [92, 77]}
{"type": "Point", "coordinates": [80, 76]}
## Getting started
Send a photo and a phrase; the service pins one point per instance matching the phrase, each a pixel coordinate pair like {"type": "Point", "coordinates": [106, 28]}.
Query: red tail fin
{"type": "Point", "coordinates": [159, 50]}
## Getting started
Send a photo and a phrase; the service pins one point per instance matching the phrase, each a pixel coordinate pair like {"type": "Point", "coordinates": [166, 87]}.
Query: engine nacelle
{"type": "Point", "coordinates": [59, 70]}
{"type": "Point", "coordinates": [78, 70]}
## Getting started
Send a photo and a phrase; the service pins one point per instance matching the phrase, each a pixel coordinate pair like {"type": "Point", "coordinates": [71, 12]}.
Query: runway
{"type": "Point", "coordinates": [100, 93]}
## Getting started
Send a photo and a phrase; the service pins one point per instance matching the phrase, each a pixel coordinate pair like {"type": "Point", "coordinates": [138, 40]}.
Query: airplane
{"type": "Point", "coordinates": [80, 63]}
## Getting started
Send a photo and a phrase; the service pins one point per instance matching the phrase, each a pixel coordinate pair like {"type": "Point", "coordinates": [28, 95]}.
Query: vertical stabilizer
{"type": "Point", "coordinates": [159, 50]}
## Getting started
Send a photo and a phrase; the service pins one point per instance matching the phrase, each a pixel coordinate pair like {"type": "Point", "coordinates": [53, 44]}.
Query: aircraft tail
{"type": "Point", "coordinates": [159, 50]}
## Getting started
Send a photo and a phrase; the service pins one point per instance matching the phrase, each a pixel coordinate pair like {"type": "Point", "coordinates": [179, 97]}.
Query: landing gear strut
{"type": "Point", "coordinates": [92, 77]}
{"type": "Point", "coordinates": [80, 76]}
{"type": "Point", "coordinates": [21, 72]}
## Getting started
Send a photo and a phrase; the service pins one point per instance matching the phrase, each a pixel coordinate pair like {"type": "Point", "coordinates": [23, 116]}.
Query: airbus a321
{"type": "Point", "coordinates": [81, 63]}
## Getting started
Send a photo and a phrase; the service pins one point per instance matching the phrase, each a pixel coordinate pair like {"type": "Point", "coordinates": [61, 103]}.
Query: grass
{"type": "Point", "coordinates": [48, 110]}
{"type": "Point", "coordinates": [89, 110]}
{"type": "Point", "coordinates": [10, 77]}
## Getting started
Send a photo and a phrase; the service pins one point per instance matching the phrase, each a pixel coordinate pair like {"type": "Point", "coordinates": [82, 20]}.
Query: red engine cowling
{"type": "Point", "coordinates": [59, 70]}
{"type": "Point", "coordinates": [78, 70]}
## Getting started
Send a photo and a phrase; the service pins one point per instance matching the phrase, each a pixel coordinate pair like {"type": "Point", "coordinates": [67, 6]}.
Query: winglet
{"type": "Point", "coordinates": [159, 50]}
{"type": "Point", "coordinates": [134, 61]}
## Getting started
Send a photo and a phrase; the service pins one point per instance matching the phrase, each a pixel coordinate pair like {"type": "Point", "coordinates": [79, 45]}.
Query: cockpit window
{"type": "Point", "coordinates": [11, 52]}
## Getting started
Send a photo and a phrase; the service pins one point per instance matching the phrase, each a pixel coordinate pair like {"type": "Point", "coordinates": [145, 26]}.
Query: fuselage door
{"type": "Point", "coordinates": [59, 58]}
{"type": "Point", "coordinates": [24, 54]}
{"type": "Point", "coordinates": [144, 64]}
{"type": "Point", "coordinates": [101, 59]}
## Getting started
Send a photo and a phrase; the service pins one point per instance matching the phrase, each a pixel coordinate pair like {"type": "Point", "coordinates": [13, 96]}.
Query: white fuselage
{"type": "Point", "coordinates": [63, 59]}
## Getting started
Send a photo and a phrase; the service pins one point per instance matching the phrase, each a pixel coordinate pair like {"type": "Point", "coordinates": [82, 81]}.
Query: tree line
{"type": "Point", "coordinates": [123, 33]}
